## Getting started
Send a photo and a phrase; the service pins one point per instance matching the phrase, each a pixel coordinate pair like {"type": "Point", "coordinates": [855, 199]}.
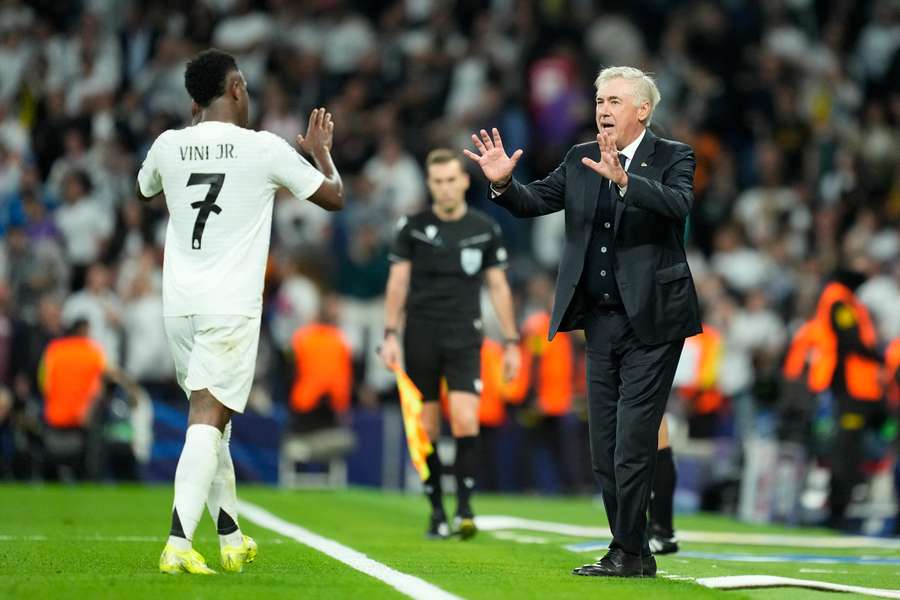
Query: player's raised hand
{"type": "Point", "coordinates": [492, 158]}
{"type": "Point", "coordinates": [609, 165]}
{"type": "Point", "coordinates": [319, 133]}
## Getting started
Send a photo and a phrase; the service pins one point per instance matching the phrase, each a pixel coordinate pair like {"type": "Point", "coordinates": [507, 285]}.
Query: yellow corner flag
{"type": "Point", "coordinates": [416, 438]}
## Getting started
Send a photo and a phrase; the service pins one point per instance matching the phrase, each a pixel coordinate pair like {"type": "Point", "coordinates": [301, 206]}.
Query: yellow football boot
{"type": "Point", "coordinates": [235, 557]}
{"type": "Point", "coordinates": [464, 527]}
{"type": "Point", "coordinates": [173, 561]}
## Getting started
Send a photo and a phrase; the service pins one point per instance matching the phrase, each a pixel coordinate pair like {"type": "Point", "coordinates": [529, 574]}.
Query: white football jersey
{"type": "Point", "coordinates": [220, 180]}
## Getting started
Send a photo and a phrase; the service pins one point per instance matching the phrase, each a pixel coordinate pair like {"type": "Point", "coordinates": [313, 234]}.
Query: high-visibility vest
{"type": "Point", "coordinates": [491, 409]}
{"type": "Point", "coordinates": [861, 374]}
{"type": "Point", "coordinates": [802, 352]}
{"type": "Point", "coordinates": [71, 376]}
{"type": "Point", "coordinates": [703, 392]}
{"type": "Point", "coordinates": [892, 366]}
{"type": "Point", "coordinates": [549, 365]}
{"type": "Point", "coordinates": [324, 367]}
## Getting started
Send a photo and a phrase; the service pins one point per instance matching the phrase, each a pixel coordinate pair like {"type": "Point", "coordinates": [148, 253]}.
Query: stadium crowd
{"type": "Point", "coordinates": [793, 110]}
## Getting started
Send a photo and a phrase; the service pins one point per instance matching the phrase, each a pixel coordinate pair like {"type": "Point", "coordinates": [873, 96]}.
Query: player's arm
{"type": "Point", "coordinates": [149, 181]}
{"type": "Point", "coordinates": [142, 197]}
{"type": "Point", "coordinates": [317, 143]}
{"type": "Point", "coordinates": [501, 298]}
{"type": "Point", "coordinates": [394, 302]}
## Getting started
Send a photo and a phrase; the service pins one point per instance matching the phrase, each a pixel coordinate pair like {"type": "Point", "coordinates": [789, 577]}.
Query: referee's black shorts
{"type": "Point", "coordinates": [452, 349]}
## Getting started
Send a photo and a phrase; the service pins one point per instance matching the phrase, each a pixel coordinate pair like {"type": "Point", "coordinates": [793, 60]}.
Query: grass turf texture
{"type": "Point", "coordinates": [104, 542]}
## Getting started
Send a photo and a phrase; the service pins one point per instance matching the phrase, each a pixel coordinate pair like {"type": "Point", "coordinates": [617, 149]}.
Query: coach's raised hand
{"type": "Point", "coordinates": [494, 162]}
{"type": "Point", "coordinates": [609, 165]}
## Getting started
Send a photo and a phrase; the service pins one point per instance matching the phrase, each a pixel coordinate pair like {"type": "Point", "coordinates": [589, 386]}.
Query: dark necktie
{"type": "Point", "coordinates": [613, 188]}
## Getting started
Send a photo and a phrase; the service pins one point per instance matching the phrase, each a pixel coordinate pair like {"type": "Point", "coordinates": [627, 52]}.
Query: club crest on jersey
{"type": "Point", "coordinates": [470, 259]}
{"type": "Point", "coordinates": [431, 231]}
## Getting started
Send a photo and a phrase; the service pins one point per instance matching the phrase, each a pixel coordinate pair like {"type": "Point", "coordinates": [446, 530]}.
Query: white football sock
{"type": "Point", "coordinates": [193, 477]}
{"type": "Point", "coordinates": [223, 493]}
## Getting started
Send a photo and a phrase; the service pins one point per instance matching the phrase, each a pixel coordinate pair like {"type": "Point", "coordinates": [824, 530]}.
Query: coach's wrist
{"type": "Point", "coordinates": [500, 186]}
{"type": "Point", "coordinates": [511, 341]}
{"type": "Point", "coordinates": [389, 331]}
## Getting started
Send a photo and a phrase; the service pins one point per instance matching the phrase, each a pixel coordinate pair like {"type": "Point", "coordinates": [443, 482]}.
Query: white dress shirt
{"type": "Point", "coordinates": [629, 152]}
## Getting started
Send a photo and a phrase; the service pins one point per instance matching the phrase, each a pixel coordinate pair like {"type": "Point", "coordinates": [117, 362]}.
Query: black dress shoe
{"type": "Point", "coordinates": [648, 565]}
{"type": "Point", "coordinates": [616, 563]}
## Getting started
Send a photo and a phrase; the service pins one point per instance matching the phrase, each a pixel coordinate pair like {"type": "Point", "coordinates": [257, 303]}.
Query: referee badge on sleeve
{"type": "Point", "coordinates": [470, 259]}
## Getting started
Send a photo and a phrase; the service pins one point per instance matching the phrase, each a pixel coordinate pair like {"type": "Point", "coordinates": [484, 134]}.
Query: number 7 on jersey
{"type": "Point", "coordinates": [208, 204]}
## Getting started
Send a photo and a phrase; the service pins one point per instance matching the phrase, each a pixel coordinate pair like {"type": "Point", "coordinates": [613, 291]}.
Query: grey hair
{"type": "Point", "coordinates": [643, 86]}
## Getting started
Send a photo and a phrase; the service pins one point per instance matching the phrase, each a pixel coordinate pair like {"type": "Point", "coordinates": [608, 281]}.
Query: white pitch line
{"type": "Point", "coordinates": [500, 522]}
{"type": "Point", "coordinates": [736, 582]}
{"type": "Point", "coordinates": [404, 583]}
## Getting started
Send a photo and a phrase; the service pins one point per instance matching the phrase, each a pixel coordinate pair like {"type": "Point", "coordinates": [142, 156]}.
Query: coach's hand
{"type": "Point", "coordinates": [319, 133]}
{"type": "Point", "coordinates": [494, 162]}
{"type": "Point", "coordinates": [390, 352]}
{"type": "Point", "coordinates": [609, 165]}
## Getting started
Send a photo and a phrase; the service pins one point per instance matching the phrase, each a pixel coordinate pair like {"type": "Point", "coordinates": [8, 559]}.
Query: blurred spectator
{"type": "Point", "coordinates": [147, 356]}
{"type": "Point", "coordinates": [85, 226]}
{"type": "Point", "coordinates": [73, 368]}
{"type": "Point", "coordinates": [297, 303]}
{"type": "Point", "coordinates": [323, 378]}
{"type": "Point", "coordinates": [362, 270]}
{"type": "Point", "coordinates": [765, 210]}
{"type": "Point", "coordinates": [742, 266]}
{"type": "Point", "coordinates": [99, 305]}
{"type": "Point", "coordinates": [32, 269]}
{"type": "Point", "coordinates": [398, 184]}
{"type": "Point", "coordinates": [31, 341]}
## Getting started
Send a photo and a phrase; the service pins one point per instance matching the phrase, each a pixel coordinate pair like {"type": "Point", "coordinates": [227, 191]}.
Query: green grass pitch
{"type": "Point", "coordinates": [104, 542]}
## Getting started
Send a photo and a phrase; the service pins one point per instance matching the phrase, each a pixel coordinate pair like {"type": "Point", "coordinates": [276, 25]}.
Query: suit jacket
{"type": "Point", "coordinates": [651, 268]}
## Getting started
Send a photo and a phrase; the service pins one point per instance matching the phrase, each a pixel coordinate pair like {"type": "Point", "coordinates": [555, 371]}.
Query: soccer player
{"type": "Point", "coordinates": [219, 180]}
{"type": "Point", "coordinates": [440, 258]}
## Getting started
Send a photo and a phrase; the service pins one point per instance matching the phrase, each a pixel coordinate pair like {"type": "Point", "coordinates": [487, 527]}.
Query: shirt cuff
{"type": "Point", "coordinates": [622, 190]}
{"type": "Point", "coordinates": [498, 191]}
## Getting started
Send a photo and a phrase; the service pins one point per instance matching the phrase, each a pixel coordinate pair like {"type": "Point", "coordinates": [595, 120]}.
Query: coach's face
{"type": "Point", "coordinates": [616, 112]}
{"type": "Point", "coordinates": [448, 183]}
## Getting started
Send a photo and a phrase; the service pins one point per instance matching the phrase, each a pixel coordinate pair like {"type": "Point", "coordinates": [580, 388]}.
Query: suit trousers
{"type": "Point", "coordinates": [628, 386]}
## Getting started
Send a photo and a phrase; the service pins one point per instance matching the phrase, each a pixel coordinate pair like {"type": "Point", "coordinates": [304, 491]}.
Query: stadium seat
{"type": "Point", "coordinates": [328, 447]}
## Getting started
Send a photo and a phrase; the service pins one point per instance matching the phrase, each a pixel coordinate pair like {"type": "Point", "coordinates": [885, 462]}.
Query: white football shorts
{"type": "Point", "coordinates": [215, 352]}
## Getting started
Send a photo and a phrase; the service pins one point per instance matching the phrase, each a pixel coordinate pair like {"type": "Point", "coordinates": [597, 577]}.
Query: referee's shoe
{"type": "Point", "coordinates": [662, 542]}
{"type": "Point", "coordinates": [437, 527]}
{"type": "Point", "coordinates": [464, 526]}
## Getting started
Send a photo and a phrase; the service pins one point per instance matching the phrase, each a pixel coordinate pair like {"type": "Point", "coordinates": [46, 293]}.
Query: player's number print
{"type": "Point", "coordinates": [208, 204]}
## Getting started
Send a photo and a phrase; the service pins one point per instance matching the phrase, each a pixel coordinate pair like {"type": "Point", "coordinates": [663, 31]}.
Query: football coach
{"type": "Point", "coordinates": [624, 279]}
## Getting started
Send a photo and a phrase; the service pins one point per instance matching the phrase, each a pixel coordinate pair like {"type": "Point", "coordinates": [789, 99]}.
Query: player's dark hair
{"type": "Point", "coordinates": [440, 156]}
{"type": "Point", "coordinates": [204, 76]}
